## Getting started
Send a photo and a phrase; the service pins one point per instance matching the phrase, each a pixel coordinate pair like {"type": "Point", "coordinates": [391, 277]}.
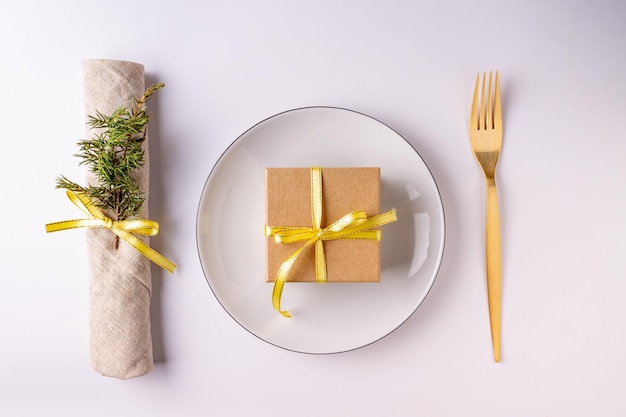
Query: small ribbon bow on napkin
{"type": "Point", "coordinates": [122, 228]}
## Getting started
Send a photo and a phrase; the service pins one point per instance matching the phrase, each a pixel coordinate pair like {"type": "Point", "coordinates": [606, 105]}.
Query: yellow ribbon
{"type": "Point", "coordinates": [354, 225]}
{"type": "Point", "coordinates": [122, 228]}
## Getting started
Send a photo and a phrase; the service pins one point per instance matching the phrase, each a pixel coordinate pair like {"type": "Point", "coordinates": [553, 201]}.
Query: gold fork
{"type": "Point", "coordinates": [485, 133]}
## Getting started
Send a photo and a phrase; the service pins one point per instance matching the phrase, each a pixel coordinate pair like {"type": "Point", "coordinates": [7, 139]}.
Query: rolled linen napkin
{"type": "Point", "coordinates": [120, 339]}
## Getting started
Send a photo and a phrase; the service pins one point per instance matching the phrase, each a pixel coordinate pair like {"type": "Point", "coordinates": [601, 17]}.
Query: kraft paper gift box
{"type": "Point", "coordinates": [344, 190]}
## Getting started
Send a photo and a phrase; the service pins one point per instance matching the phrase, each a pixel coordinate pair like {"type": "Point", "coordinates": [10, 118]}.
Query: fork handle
{"type": "Point", "coordinates": [493, 265]}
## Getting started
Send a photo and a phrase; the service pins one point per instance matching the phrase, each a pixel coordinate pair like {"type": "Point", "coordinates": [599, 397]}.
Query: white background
{"type": "Point", "coordinates": [412, 65]}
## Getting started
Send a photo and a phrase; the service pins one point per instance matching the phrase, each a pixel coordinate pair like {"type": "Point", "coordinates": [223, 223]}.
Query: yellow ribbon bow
{"type": "Point", "coordinates": [122, 228]}
{"type": "Point", "coordinates": [354, 225]}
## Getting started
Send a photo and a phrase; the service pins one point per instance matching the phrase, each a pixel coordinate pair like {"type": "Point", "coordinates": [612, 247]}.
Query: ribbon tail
{"type": "Point", "coordinates": [385, 218]}
{"type": "Point", "coordinates": [281, 278]}
{"type": "Point", "coordinates": [279, 283]}
{"type": "Point", "coordinates": [277, 293]}
{"type": "Point", "coordinates": [73, 224]}
{"type": "Point", "coordinates": [146, 250]}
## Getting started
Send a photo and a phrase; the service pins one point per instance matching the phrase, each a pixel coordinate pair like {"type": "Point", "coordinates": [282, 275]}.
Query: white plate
{"type": "Point", "coordinates": [333, 317]}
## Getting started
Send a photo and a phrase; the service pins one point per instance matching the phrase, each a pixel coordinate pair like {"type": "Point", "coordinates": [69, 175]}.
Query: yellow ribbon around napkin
{"type": "Point", "coordinates": [354, 225]}
{"type": "Point", "coordinates": [122, 228]}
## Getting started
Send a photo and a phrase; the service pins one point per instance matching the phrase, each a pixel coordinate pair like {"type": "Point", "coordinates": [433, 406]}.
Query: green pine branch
{"type": "Point", "coordinates": [113, 154]}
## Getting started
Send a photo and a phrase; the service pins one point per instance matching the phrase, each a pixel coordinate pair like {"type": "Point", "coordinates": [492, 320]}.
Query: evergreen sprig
{"type": "Point", "coordinates": [113, 154]}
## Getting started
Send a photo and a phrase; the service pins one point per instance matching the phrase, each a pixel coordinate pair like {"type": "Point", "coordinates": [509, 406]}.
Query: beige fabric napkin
{"type": "Point", "coordinates": [120, 339]}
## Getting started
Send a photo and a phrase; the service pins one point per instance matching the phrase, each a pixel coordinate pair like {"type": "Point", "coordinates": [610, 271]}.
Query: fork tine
{"type": "Point", "coordinates": [474, 112]}
{"type": "Point", "coordinates": [497, 111]}
{"type": "Point", "coordinates": [483, 113]}
{"type": "Point", "coordinates": [489, 115]}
